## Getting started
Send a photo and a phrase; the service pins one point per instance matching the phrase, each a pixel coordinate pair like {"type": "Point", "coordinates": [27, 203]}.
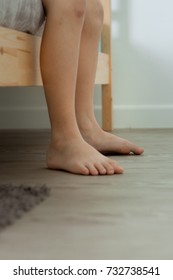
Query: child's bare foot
{"type": "Point", "coordinates": [106, 142]}
{"type": "Point", "coordinates": [77, 156]}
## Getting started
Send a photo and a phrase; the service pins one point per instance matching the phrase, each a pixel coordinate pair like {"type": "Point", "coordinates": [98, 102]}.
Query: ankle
{"type": "Point", "coordinates": [60, 137]}
{"type": "Point", "coordinates": [86, 124]}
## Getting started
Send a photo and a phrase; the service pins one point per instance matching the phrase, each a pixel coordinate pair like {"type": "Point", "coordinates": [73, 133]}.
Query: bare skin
{"type": "Point", "coordinates": [102, 141]}
{"type": "Point", "coordinates": [78, 157]}
{"type": "Point", "coordinates": [69, 89]}
{"type": "Point", "coordinates": [106, 142]}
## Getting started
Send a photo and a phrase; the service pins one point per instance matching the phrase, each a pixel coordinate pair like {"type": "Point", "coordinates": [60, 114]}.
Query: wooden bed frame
{"type": "Point", "coordinates": [19, 62]}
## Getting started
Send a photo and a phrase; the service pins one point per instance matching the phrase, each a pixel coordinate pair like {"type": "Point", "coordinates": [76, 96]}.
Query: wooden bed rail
{"type": "Point", "coordinates": [19, 60]}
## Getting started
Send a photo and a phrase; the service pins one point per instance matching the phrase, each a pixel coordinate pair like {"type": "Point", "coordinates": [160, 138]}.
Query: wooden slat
{"type": "Point", "coordinates": [19, 60]}
{"type": "Point", "coordinates": [107, 118]}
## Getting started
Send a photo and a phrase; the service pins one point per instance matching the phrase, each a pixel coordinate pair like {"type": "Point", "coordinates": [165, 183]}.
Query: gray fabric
{"type": "Point", "coordinates": [22, 15]}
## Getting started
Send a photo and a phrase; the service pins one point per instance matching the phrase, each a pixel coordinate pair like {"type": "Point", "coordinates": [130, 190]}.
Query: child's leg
{"type": "Point", "coordinates": [59, 64]}
{"type": "Point", "coordinates": [88, 125]}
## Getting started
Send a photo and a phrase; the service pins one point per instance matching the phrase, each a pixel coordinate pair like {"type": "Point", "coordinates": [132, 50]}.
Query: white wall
{"type": "Point", "coordinates": [142, 72]}
{"type": "Point", "coordinates": [143, 63]}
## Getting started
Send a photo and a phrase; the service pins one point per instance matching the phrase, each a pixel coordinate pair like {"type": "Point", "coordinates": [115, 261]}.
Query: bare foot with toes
{"type": "Point", "coordinates": [77, 156]}
{"type": "Point", "coordinates": [105, 142]}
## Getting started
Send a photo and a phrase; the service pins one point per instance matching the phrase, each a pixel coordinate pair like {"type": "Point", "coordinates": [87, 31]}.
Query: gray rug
{"type": "Point", "coordinates": [15, 201]}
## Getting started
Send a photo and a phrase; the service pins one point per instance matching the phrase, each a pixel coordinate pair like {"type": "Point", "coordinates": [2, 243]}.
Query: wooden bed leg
{"type": "Point", "coordinates": [106, 46]}
{"type": "Point", "coordinates": [107, 116]}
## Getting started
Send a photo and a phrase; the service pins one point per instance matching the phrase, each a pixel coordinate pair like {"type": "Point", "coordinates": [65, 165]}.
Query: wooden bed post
{"type": "Point", "coordinates": [106, 47]}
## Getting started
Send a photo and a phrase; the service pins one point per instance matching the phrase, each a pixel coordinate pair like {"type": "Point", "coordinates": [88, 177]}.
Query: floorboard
{"type": "Point", "coordinates": [125, 216]}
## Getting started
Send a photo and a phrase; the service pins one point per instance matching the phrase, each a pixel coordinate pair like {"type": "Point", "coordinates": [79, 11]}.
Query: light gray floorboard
{"type": "Point", "coordinates": [127, 216]}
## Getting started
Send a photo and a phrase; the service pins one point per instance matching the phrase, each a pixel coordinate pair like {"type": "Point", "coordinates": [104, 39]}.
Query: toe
{"type": "Point", "coordinates": [78, 169]}
{"type": "Point", "coordinates": [101, 169]}
{"type": "Point", "coordinates": [130, 147]}
{"type": "Point", "coordinates": [126, 147]}
{"type": "Point", "coordinates": [109, 168]}
{"type": "Point", "coordinates": [84, 171]}
{"type": "Point", "coordinates": [135, 149]}
{"type": "Point", "coordinates": [117, 169]}
{"type": "Point", "coordinates": [138, 151]}
{"type": "Point", "coordinates": [92, 170]}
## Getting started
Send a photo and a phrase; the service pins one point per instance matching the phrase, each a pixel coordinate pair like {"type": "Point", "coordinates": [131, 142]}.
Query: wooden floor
{"type": "Point", "coordinates": [127, 216]}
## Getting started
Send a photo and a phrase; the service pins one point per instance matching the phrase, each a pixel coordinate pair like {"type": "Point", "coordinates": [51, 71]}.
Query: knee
{"type": "Point", "coordinates": [78, 8]}
{"type": "Point", "coordinates": [73, 9]}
